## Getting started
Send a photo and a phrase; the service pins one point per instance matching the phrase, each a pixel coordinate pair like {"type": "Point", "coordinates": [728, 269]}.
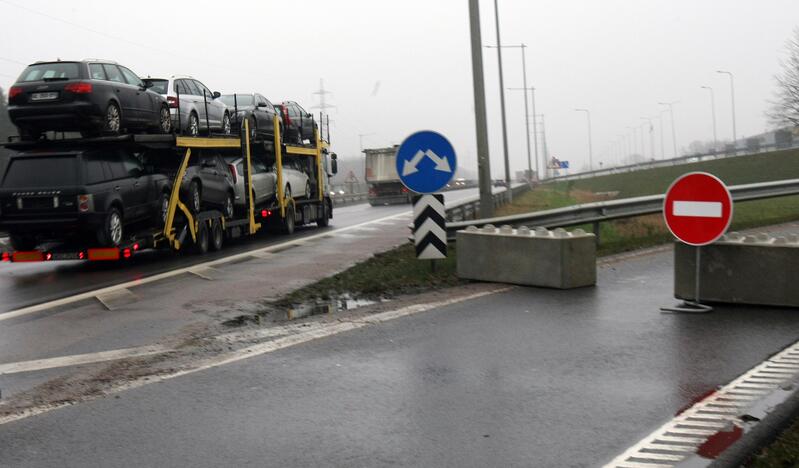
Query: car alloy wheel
{"type": "Point", "coordinates": [194, 125]}
{"type": "Point", "coordinates": [195, 197]}
{"type": "Point", "coordinates": [165, 123]}
{"type": "Point", "coordinates": [113, 118]}
{"type": "Point", "coordinates": [229, 206]}
{"type": "Point", "coordinates": [115, 228]}
{"type": "Point", "coordinates": [307, 189]}
{"type": "Point", "coordinates": [164, 207]}
{"type": "Point", "coordinates": [226, 124]}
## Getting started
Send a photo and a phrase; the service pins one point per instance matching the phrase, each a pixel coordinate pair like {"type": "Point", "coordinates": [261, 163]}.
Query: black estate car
{"type": "Point", "coordinates": [298, 123]}
{"type": "Point", "coordinates": [262, 110]}
{"type": "Point", "coordinates": [93, 97]}
{"type": "Point", "coordinates": [87, 194]}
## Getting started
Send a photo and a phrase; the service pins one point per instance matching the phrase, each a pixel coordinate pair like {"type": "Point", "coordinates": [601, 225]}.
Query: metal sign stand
{"type": "Point", "coordinates": [692, 307]}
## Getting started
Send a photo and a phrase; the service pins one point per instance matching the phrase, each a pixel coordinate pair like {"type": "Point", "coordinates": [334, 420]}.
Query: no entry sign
{"type": "Point", "coordinates": [698, 208]}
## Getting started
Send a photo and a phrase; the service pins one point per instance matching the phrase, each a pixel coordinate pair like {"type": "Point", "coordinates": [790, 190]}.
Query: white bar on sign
{"type": "Point", "coordinates": [697, 209]}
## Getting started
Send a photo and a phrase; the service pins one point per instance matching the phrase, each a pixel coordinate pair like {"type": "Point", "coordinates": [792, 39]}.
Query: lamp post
{"type": "Point", "coordinates": [590, 149]}
{"type": "Point", "coordinates": [713, 113]}
{"type": "Point", "coordinates": [480, 120]}
{"type": "Point", "coordinates": [502, 102]}
{"type": "Point", "coordinates": [673, 130]}
{"type": "Point", "coordinates": [662, 146]}
{"type": "Point", "coordinates": [525, 88]}
{"type": "Point", "coordinates": [651, 137]}
{"type": "Point", "coordinates": [732, 99]}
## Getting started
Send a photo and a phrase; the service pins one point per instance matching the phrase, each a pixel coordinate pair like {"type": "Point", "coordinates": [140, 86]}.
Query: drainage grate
{"type": "Point", "coordinates": [718, 414]}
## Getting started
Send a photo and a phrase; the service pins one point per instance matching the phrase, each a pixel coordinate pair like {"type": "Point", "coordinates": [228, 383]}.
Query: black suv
{"type": "Point", "coordinates": [88, 195]}
{"type": "Point", "coordinates": [93, 97]}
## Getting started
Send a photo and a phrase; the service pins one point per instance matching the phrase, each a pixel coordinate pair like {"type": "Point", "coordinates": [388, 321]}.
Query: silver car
{"type": "Point", "coordinates": [264, 180]}
{"type": "Point", "coordinates": [193, 99]}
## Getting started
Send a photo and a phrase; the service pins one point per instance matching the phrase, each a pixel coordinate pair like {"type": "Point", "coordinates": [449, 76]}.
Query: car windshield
{"type": "Point", "coordinates": [50, 71]}
{"type": "Point", "coordinates": [241, 100]}
{"type": "Point", "coordinates": [158, 86]}
{"type": "Point", "coordinates": [42, 172]}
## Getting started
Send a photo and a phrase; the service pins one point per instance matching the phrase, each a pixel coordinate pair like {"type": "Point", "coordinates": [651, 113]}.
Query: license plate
{"type": "Point", "coordinates": [37, 203]}
{"type": "Point", "coordinates": [44, 96]}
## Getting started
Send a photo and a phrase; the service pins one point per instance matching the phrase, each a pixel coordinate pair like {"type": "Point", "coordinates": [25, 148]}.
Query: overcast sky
{"type": "Point", "coordinates": [400, 66]}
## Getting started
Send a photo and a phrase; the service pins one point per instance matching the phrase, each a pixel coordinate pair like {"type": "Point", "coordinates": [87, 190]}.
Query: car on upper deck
{"type": "Point", "coordinates": [298, 123]}
{"type": "Point", "coordinates": [192, 97]}
{"type": "Point", "coordinates": [261, 110]}
{"type": "Point", "coordinates": [91, 96]}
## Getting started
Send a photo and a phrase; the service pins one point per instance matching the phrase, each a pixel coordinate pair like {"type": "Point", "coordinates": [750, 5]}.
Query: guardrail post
{"type": "Point", "coordinates": [596, 233]}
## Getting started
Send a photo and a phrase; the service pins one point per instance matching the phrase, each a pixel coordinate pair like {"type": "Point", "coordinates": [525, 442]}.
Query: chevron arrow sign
{"type": "Point", "coordinates": [430, 226]}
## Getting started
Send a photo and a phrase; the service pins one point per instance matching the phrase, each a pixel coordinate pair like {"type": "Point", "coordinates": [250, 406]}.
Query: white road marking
{"type": "Point", "coordinates": [293, 339]}
{"type": "Point", "coordinates": [169, 274]}
{"type": "Point", "coordinates": [79, 359]}
{"type": "Point", "coordinates": [714, 413]}
{"type": "Point", "coordinates": [697, 209]}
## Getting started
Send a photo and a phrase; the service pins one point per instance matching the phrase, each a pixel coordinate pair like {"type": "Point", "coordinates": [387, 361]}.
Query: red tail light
{"type": "Point", "coordinates": [266, 213]}
{"type": "Point", "coordinates": [286, 118]}
{"type": "Point", "coordinates": [6, 257]}
{"type": "Point", "coordinates": [14, 92]}
{"type": "Point", "coordinates": [404, 189]}
{"type": "Point", "coordinates": [48, 256]}
{"type": "Point", "coordinates": [127, 253]}
{"type": "Point", "coordinates": [172, 102]}
{"type": "Point", "coordinates": [136, 246]}
{"type": "Point", "coordinates": [78, 88]}
{"type": "Point", "coordinates": [81, 255]}
{"type": "Point", "coordinates": [234, 173]}
{"type": "Point", "coordinates": [85, 203]}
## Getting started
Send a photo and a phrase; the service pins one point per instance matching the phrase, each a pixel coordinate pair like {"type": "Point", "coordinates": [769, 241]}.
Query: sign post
{"type": "Point", "coordinates": [698, 210]}
{"type": "Point", "coordinates": [426, 162]}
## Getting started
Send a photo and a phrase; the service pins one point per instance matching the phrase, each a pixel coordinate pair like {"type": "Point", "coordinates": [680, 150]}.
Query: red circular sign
{"type": "Point", "coordinates": [697, 208]}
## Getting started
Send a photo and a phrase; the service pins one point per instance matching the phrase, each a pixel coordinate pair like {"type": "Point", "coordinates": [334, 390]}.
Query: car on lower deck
{"type": "Point", "coordinates": [207, 183]}
{"type": "Point", "coordinates": [91, 96]}
{"type": "Point", "coordinates": [89, 195]}
{"type": "Point", "coordinates": [193, 98]}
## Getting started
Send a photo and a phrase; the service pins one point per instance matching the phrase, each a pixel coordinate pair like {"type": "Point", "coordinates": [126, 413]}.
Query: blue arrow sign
{"type": "Point", "coordinates": [426, 162]}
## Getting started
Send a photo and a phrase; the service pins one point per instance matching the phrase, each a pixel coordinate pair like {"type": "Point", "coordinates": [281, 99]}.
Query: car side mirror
{"type": "Point", "coordinates": [207, 164]}
{"type": "Point", "coordinates": [309, 115]}
{"type": "Point", "coordinates": [334, 167]}
{"type": "Point", "coordinates": [217, 94]}
{"type": "Point", "coordinates": [261, 104]}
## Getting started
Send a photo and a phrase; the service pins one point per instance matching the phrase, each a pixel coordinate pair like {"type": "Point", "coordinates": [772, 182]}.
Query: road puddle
{"type": "Point", "coordinates": [320, 307]}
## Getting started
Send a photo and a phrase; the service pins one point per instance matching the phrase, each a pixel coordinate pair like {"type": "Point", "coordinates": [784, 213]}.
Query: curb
{"type": "Point", "coordinates": [774, 419]}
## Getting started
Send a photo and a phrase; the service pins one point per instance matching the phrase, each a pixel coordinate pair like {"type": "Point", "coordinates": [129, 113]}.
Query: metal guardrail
{"type": "Point", "coordinates": [349, 198]}
{"type": "Point", "coordinates": [668, 162]}
{"type": "Point", "coordinates": [470, 207]}
{"type": "Point", "coordinates": [596, 212]}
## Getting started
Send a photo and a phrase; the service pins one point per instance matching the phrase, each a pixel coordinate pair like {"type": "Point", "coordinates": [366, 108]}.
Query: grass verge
{"type": "Point", "coordinates": [782, 453]}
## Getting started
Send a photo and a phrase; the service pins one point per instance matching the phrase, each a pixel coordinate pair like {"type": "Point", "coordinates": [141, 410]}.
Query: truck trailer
{"type": "Point", "coordinates": [381, 175]}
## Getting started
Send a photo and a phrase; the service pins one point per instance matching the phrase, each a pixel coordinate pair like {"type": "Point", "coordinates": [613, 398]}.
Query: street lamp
{"type": "Point", "coordinates": [480, 120]}
{"type": "Point", "coordinates": [662, 147]}
{"type": "Point", "coordinates": [713, 113]}
{"type": "Point", "coordinates": [673, 131]}
{"type": "Point", "coordinates": [590, 150]}
{"type": "Point", "coordinates": [525, 88]}
{"type": "Point", "coordinates": [651, 137]}
{"type": "Point", "coordinates": [502, 100]}
{"type": "Point", "coordinates": [732, 99]}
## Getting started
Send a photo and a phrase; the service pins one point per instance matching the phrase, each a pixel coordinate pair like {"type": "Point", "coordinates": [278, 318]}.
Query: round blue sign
{"type": "Point", "coordinates": [426, 162]}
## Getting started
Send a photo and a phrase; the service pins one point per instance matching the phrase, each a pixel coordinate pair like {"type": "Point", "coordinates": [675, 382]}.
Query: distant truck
{"type": "Point", "coordinates": [381, 175]}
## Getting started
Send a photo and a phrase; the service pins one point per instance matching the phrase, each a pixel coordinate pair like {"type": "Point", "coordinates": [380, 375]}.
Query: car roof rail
{"type": "Point", "coordinates": [100, 60]}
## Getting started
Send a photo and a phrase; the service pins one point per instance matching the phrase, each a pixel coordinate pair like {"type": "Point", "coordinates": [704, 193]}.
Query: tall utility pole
{"type": "Point", "coordinates": [590, 149]}
{"type": "Point", "coordinates": [673, 131]}
{"type": "Point", "coordinates": [732, 98]}
{"type": "Point", "coordinates": [713, 113]}
{"type": "Point", "coordinates": [544, 149]}
{"type": "Point", "coordinates": [502, 102]}
{"type": "Point", "coordinates": [535, 137]}
{"type": "Point", "coordinates": [480, 121]}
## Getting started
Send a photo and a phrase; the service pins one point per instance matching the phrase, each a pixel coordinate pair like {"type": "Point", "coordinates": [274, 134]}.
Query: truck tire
{"type": "Point", "coordinates": [195, 197]}
{"type": "Point", "coordinates": [324, 215]}
{"type": "Point", "coordinates": [20, 242]}
{"type": "Point", "coordinates": [288, 224]}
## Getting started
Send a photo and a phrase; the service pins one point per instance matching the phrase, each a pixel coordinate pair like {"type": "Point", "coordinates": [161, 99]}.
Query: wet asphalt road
{"type": "Point", "coordinates": [33, 283]}
{"type": "Point", "coordinates": [529, 377]}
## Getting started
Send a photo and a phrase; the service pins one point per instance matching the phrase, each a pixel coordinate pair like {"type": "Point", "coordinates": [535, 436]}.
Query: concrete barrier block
{"type": "Point", "coordinates": [531, 257]}
{"type": "Point", "coordinates": [754, 269]}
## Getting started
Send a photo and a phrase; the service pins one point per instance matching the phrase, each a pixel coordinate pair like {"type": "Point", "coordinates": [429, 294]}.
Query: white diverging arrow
{"type": "Point", "coordinates": [442, 164]}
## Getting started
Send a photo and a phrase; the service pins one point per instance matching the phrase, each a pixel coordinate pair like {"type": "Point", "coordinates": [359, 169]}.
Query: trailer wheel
{"type": "Point", "coordinates": [324, 215]}
{"type": "Point", "coordinates": [217, 235]}
{"type": "Point", "coordinates": [201, 243]}
{"type": "Point", "coordinates": [195, 197]}
{"type": "Point", "coordinates": [288, 222]}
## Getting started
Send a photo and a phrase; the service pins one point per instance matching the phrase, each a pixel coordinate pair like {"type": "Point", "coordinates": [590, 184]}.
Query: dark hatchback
{"type": "Point", "coordinates": [92, 97]}
{"type": "Point", "coordinates": [299, 125]}
{"type": "Point", "coordinates": [93, 196]}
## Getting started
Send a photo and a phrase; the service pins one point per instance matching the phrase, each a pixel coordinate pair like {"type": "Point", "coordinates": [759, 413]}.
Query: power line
{"type": "Point", "coordinates": [12, 60]}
